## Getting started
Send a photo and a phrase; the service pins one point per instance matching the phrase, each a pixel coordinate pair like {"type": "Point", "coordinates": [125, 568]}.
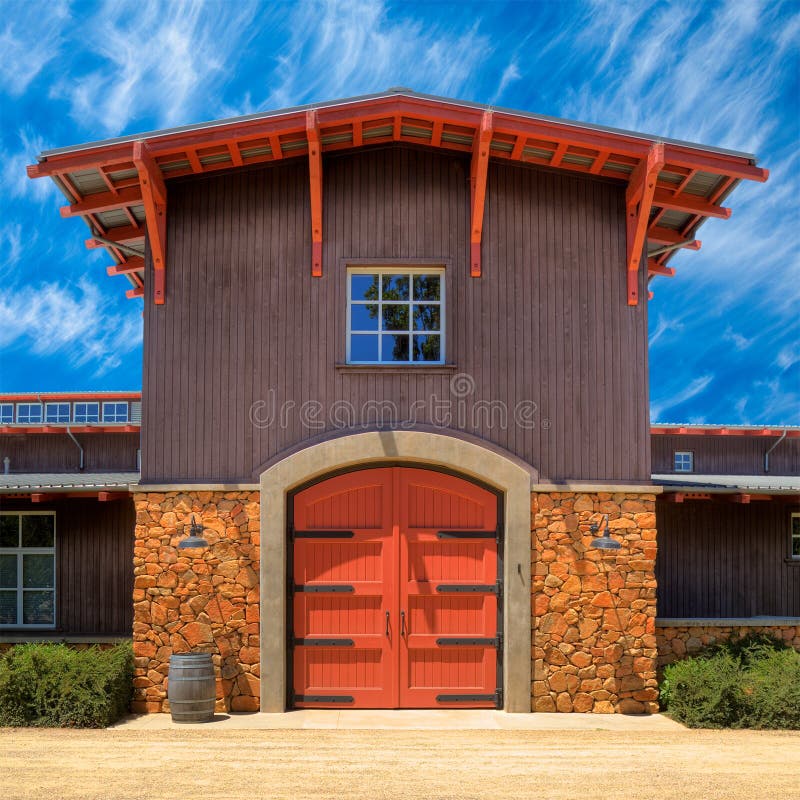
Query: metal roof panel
{"type": "Point", "coordinates": [261, 115]}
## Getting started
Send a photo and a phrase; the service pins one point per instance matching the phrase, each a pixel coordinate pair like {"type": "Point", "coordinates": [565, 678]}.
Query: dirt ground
{"type": "Point", "coordinates": [50, 764]}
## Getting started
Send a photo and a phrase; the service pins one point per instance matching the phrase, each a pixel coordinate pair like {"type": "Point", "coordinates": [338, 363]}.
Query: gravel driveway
{"type": "Point", "coordinates": [207, 763]}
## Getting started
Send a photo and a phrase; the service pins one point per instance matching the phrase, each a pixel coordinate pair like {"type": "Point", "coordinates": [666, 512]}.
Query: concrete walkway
{"type": "Point", "coordinates": [436, 720]}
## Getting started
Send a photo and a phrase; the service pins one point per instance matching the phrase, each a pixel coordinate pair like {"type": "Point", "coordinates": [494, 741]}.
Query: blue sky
{"type": "Point", "coordinates": [724, 334]}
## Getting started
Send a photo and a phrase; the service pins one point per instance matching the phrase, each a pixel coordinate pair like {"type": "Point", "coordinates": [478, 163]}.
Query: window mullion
{"type": "Point", "coordinates": [19, 583]}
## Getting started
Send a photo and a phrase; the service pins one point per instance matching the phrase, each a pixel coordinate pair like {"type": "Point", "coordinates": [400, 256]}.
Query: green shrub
{"type": "Point", "coordinates": [53, 685]}
{"type": "Point", "coordinates": [753, 682]}
{"type": "Point", "coordinates": [771, 688]}
{"type": "Point", "coordinates": [748, 649]}
{"type": "Point", "coordinates": [704, 692]}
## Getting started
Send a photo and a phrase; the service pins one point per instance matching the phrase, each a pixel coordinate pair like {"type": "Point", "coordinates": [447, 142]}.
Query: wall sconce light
{"type": "Point", "coordinates": [195, 538]}
{"type": "Point", "coordinates": [604, 542]}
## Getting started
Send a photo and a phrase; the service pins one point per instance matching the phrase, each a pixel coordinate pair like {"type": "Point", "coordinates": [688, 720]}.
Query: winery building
{"type": "Point", "coordinates": [395, 364]}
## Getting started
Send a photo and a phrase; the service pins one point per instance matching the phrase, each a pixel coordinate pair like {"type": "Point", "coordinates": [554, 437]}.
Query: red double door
{"type": "Point", "coordinates": [395, 592]}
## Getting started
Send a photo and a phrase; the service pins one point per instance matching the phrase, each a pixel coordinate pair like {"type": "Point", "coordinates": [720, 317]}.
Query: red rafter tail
{"type": "Point", "coordinates": [654, 268]}
{"type": "Point", "coordinates": [133, 264]}
{"type": "Point", "coordinates": [137, 291]}
{"type": "Point", "coordinates": [107, 497]}
{"type": "Point", "coordinates": [42, 497]}
{"type": "Point", "coordinates": [639, 201]}
{"type": "Point", "coordinates": [688, 204]}
{"type": "Point", "coordinates": [154, 195]}
{"type": "Point", "coordinates": [103, 201]}
{"type": "Point", "coordinates": [479, 172]}
{"type": "Point", "coordinates": [315, 177]}
{"type": "Point", "coordinates": [125, 234]}
{"type": "Point", "coordinates": [668, 236]}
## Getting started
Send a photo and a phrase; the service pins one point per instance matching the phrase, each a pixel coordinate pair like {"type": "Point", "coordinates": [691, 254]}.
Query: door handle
{"type": "Point", "coordinates": [387, 623]}
{"type": "Point", "coordinates": [402, 623]}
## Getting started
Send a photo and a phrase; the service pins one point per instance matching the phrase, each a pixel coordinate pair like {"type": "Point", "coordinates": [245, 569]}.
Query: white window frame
{"type": "Point", "coordinates": [5, 406]}
{"type": "Point", "coordinates": [678, 461]}
{"type": "Point", "coordinates": [792, 535]}
{"type": "Point", "coordinates": [411, 271]}
{"type": "Point", "coordinates": [48, 406]}
{"type": "Point", "coordinates": [23, 551]}
{"type": "Point", "coordinates": [117, 403]}
{"type": "Point", "coordinates": [29, 406]}
{"type": "Point", "coordinates": [87, 413]}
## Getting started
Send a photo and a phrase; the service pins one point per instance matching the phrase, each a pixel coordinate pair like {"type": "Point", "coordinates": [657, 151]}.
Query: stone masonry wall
{"type": "Point", "coordinates": [679, 642]}
{"type": "Point", "coordinates": [594, 638]}
{"type": "Point", "coordinates": [204, 600]}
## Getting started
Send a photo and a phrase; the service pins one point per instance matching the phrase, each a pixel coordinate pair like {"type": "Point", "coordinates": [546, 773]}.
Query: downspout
{"type": "Point", "coordinates": [69, 433]}
{"type": "Point", "coordinates": [77, 444]}
{"type": "Point", "coordinates": [766, 455]}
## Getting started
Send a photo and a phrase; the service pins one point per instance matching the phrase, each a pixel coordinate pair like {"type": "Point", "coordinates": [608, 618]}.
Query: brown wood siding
{"type": "Point", "coordinates": [94, 564]}
{"type": "Point", "coordinates": [56, 452]}
{"type": "Point", "coordinates": [548, 322]}
{"type": "Point", "coordinates": [727, 455]}
{"type": "Point", "coordinates": [720, 559]}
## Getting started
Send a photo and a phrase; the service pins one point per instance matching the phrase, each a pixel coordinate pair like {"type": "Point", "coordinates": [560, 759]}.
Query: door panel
{"type": "Point", "coordinates": [387, 572]}
{"type": "Point", "coordinates": [343, 586]}
{"type": "Point", "coordinates": [447, 591]}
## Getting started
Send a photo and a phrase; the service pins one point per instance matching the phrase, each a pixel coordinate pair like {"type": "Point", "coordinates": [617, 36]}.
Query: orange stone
{"type": "Point", "coordinates": [144, 649]}
{"type": "Point", "coordinates": [544, 704]}
{"type": "Point", "coordinates": [582, 702]}
{"type": "Point", "coordinates": [540, 604]}
{"type": "Point", "coordinates": [249, 655]}
{"type": "Point", "coordinates": [603, 600]}
{"type": "Point", "coordinates": [197, 633]}
{"type": "Point", "coordinates": [564, 703]}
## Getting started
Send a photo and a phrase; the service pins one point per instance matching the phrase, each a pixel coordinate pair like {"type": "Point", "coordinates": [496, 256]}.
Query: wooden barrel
{"type": "Point", "coordinates": [191, 689]}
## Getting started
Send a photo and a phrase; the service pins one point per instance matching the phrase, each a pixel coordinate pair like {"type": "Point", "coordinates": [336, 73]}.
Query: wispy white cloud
{"type": "Point", "coordinates": [10, 247]}
{"type": "Point", "coordinates": [159, 61]}
{"type": "Point", "coordinates": [510, 74]}
{"type": "Point", "coordinates": [664, 326]}
{"type": "Point", "coordinates": [788, 356]}
{"type": "Point", "coordinates": [354, 47]}
{"type": "Point", "coordinates": [75, 321]}
{"type": "Point", "coordinates": [695, 387]}
{"type": "Point", "coordinates": [30, 38]}
{"type": "Point", "coordinates": [719, 75]}
{"type": "Point", "coordinates": [13, 177]}
{"type": "Point", "coordinates": [736, 339]}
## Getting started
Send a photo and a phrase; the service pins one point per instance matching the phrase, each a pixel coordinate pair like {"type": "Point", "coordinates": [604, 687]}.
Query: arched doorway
{"type": "Point", "coordinates": [502, 473]}
{"type": "Point", "coordinates": [395, 582]}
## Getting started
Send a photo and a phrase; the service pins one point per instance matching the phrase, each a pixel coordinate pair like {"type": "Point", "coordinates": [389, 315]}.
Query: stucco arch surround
{"type": "Point", "coordinates": [503, 472]}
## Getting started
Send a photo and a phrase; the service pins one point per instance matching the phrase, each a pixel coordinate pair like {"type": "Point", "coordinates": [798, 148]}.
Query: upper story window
{"type": "Point", "coordinates": [56, 412]}
{"type": "Point", "coordinates": [87, 412]}
{"type": "Point", "coordinates": [6, 413]}
{"type": "Point", "coordinates": [27, 569]}
{"type": "Point", "coordinates": [395, 316]}
{"type": "Point", "coordinates": [684, 461]}
{"type": "Point", "coordinates": [29, 412]}
{"type": "Point", "coordinates": [794, 541]}
{"type": "Point", "coordinates": [115, 412]}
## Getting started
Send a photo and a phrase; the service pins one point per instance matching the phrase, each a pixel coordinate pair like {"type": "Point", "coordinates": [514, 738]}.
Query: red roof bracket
{"type": "Point", "coordinates": [638, 202]}
{"type": "Point", "coordinates": [479, 171]}
{"type": "Point", "coordinates": [315, 177]}
{"type": "Point", "coordinates": [154, 195]}
{"type": "Point", "coordinates": [654, 268]}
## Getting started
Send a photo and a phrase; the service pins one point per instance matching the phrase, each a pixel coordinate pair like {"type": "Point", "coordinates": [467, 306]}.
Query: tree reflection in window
{"type": "Point", "coordinates": [395, 317]}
